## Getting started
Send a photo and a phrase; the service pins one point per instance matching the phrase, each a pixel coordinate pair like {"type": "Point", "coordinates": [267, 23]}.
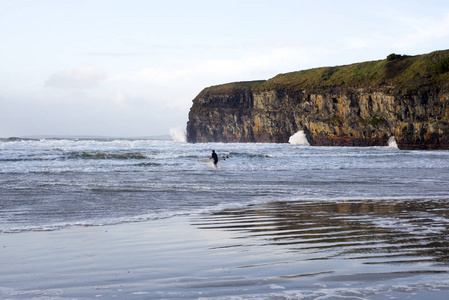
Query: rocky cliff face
{"type": "Point", "coordinates": [404, 97]}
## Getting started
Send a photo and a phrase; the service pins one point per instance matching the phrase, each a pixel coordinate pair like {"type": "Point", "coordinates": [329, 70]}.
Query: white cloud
{"type": "Point", "coordinates": [424, 30]}
{"type": "Point", "coordinates": [158, 75]}
{"type": "Point", "coordinates": [408, 33]}
{"type": "Point", "coordinates": [77, 78]}
{"type": "Point", "coordinates": [120, 99]}
{"type": "Point", "coordinates": [174, 83]}
{"type": "Point", "coordinates": [266, 64]}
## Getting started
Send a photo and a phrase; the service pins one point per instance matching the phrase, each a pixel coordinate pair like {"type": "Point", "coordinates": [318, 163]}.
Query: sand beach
{"type": "Point", "coordinates": [278, 250]}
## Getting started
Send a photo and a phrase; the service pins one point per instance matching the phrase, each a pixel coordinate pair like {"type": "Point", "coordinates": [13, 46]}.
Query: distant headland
{"type": "Point", "coordinates": [362, 104]}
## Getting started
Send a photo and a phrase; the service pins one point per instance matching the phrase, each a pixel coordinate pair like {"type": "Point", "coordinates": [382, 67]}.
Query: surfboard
{"type": "Point", "coordinates": [207, 160]}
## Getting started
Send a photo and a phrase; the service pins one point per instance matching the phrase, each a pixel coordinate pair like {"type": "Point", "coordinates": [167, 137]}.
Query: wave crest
{"type": "Point", "coordinates": [104, 155]}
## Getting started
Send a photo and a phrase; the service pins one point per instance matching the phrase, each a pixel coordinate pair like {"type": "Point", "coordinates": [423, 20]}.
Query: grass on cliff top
{"type": "Point", "coordinates": [229, 88]}
{"type": "Point", "coordinates": [403, 73]}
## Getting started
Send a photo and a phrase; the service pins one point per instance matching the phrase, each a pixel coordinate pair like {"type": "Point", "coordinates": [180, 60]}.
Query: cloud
{"type": "Point", "coordinates": [266, 64]}
{"type": "Point", "coordinates": [175, 82]}
{"type": "Point", "coordinates": [158, 75]}
{"type": "Point", "coordinates": [77, 78]}
{"type": "Point", "coordinates": [425, 30]}
{"type": "Point", "coordinates": [116, 54]}
{"type": "Point", "coordinates": [411, 34]}
{"type": "Point", "coordinates": [119, 99]}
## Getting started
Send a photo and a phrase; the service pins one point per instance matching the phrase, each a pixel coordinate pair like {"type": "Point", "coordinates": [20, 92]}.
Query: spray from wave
{"type": "Point", "coordinates": [178, 134]}
{"type": "Point", "coordinates": [299, 138]}
{"type": "Point", "coordinates": [392, 142]}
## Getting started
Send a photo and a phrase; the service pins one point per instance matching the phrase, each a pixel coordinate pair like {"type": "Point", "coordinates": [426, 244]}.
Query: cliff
{"type": "Point", "coordinates": [362, 104]}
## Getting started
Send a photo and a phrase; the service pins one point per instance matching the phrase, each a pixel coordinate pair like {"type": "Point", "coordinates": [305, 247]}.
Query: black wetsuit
{"type": "Point", "coordinates": [215, 157]}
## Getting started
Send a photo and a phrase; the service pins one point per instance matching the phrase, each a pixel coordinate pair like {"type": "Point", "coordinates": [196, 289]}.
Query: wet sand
{"type": "Point", "coordinates": [384, 249]}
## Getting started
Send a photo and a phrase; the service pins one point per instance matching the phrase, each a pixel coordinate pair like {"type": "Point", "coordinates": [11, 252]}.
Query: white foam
{"type": "Point", "coordinates": [299, 138]}
{"type": "Point", "coordinates": [178, 134]}
{"type": "Point", "coordinates": [411, 227]}
{"type": "Point", "coordinates": [420, 290]}
{"type": "Point", "coordinates": [32, 294]}
{"type": "Point", "coordinates": [392, 142]}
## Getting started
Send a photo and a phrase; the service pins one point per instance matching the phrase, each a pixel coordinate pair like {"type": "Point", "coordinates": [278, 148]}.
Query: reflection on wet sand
{"type": "Point", "coordinates": [403, 237]}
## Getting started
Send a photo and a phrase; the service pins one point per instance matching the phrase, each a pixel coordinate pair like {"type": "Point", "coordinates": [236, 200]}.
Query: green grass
{"type": "Point", "coordinates": [404, 73]}
{"type": "Point", "coordinates": [376, 121]}
{"type": "Point", "coordinates": [442, 66]}
{"type": "Point", "coordinates": [335, 119]}
{"type": "Point", "coordinates": [229, 88]}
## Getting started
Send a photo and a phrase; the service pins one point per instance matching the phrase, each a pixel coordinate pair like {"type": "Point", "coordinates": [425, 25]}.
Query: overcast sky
{"type": "Point", "coordinates": [131, 68]}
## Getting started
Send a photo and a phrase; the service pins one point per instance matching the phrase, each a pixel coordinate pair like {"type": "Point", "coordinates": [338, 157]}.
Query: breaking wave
{"type": "Point", "coordinates": [104, 155]}
{"type": "Point", "coordinates": [392, 142]}
{"type": "Point", "coordinates": [299, 138]}
{"type": "Point", "coordinates": [178, 134]}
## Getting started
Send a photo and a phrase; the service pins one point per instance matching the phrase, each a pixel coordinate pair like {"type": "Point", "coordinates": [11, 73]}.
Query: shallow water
{"type": "Point", "coordinates": [54, 184]}
{"type": "Point", "coordinates": [274, 221]}
{"type": "Point", "coordinates": [357, 248]}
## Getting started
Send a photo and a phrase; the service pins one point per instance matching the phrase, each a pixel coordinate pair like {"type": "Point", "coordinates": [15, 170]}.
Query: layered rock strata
{"type": "Point", "coordinates": [356, 105]}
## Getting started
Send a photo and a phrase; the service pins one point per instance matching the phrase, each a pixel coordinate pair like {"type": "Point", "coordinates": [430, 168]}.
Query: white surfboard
{"type": "Point", "coordinates": [208, 160]}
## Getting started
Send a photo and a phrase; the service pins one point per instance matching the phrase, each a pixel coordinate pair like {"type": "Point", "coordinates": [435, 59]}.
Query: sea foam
{"type": "Point", "coordinates": [392, 142]}
{"type": "Point", "coordinates": [178, 134]}
{"type": "Point", "coordinates": [299, 138]}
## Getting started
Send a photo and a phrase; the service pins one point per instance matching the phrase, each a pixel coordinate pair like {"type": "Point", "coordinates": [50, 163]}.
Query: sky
{"type": "Point", "coordinates": [132, 68]}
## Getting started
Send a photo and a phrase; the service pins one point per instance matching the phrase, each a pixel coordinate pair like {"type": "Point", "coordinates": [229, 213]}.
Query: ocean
{"type": "Point", "coordinates": [342, 222]}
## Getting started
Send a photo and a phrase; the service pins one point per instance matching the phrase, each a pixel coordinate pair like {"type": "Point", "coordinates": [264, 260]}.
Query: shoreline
{"type": "Point", "coordinates": [262, 251]}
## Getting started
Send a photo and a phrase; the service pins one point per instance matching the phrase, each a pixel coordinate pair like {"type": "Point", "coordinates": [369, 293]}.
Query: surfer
{"type": "Point", "coordinates": [214, 157]}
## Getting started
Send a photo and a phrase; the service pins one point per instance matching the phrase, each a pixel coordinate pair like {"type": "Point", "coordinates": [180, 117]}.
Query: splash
{"type": "Point", "coordinates": [392, 142]}
{"type": "Point", "coordinates": [299, 138]}
{"type": "Point", "coordinates": [178, 134]}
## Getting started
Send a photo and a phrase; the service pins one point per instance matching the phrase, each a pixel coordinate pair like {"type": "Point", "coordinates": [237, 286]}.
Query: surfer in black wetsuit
{"type": "Point", "coordinates": [214, 157]}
